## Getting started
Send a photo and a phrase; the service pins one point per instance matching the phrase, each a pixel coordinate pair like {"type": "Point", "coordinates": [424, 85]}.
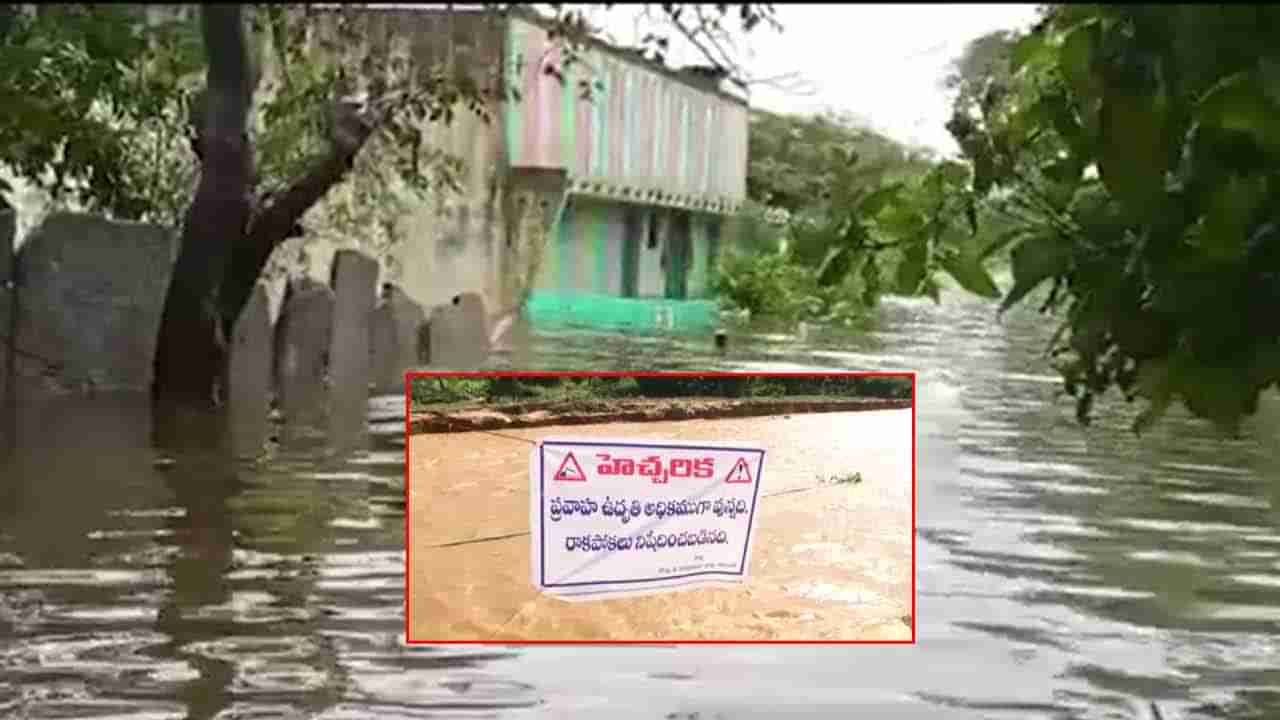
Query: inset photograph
{"type": "Point", "coordinates": [674, 507]}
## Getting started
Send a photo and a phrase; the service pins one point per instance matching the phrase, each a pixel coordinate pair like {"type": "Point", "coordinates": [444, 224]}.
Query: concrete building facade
{"type": "Point", "coordinates": [651, 167]}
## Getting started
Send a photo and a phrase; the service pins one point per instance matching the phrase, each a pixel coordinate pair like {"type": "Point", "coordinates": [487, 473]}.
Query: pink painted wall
{"type": "Point", "coordinates": [643, 129]}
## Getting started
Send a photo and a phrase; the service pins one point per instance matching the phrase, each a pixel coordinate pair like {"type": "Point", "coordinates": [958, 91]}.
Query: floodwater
{"type": "Point", "coordinates": [830, 560]}
{"type": "Point", "coordinates": [1063, 572]}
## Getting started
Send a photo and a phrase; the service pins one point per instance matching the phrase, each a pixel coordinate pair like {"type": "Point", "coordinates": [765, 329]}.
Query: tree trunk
{"type": "Point", "coordinates": [191, 347]}
{"type": "Point", "coordinates": [226, 239]}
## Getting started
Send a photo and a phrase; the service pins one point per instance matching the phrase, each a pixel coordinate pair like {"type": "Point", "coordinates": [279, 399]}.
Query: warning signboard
{"type": "Point", "coordinates": [640, 516]}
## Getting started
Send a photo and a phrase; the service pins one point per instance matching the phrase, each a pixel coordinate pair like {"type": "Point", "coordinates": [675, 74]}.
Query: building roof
{"type": "Point", "coordinates": [699, 77]}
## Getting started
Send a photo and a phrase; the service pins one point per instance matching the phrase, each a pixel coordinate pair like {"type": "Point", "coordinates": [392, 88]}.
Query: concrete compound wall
{"type": "Point", "coordinates": [90, 292]}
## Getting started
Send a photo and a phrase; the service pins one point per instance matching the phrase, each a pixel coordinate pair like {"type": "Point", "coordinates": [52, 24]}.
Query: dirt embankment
{"type": "Point", "coordinates": [461, 418]}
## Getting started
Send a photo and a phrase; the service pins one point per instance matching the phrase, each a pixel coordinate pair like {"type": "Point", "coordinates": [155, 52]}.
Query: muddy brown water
{"type": "Point", "coordinates": [1064, 573]}
{"type": "Point", "coordinates": [830, 561]}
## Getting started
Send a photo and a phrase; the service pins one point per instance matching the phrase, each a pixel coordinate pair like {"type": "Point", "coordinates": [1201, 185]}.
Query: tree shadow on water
{"type": "Point", "coordinates": [92, 488]}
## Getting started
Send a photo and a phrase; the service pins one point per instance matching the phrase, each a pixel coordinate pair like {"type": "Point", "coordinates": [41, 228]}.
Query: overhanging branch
{"type": "Point", "coordinates": [275, 219]}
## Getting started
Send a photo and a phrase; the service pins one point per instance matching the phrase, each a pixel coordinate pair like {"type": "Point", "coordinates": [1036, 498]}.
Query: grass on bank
{"type": "Point", "coordinates": [428, 391]}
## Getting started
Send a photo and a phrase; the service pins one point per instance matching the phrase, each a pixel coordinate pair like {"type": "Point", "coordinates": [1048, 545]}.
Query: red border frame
{"type": "Point", "coordinates": [408, 511]}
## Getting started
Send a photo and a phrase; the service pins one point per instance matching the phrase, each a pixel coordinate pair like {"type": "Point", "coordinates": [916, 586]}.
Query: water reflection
{"type": "Point", "coordinates": [189, 583]}
{"type": "Point", "coordinates": [1064, 573]}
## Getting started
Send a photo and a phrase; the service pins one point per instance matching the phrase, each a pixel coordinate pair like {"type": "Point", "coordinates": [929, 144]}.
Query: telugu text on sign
{"type": "Point", "coordinates": [625, 517]}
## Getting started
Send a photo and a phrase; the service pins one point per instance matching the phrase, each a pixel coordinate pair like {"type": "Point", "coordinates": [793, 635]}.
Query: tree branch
{"type": "Point", "coordinates": [692, 36]}
{"type": "Point", "coordinates": [791, 83]}
{"type": "Point", "coordinates": [279, 214]}
{"type": "Point", "coordinates": [716, 38]}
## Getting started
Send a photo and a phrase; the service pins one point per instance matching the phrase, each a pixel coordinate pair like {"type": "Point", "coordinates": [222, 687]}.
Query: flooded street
{"type": "Point", "coordinates": [829, 561]}
{"type": "Point", "coordinates": [1063, 572]}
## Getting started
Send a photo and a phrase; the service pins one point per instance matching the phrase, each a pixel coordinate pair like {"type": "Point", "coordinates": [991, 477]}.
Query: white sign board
{"type": "Point", "coordinates": [611, 518]}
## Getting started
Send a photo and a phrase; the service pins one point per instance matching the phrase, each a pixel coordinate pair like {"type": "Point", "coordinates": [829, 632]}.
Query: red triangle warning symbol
{"type": "Point", "coordinates": [740, 473]}
{"type": "Point", "coordinates": [570, 470]}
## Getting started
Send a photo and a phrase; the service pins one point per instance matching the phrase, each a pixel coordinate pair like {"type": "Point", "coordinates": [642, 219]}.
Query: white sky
{"type": "Point", "coordinates": [884, 63]}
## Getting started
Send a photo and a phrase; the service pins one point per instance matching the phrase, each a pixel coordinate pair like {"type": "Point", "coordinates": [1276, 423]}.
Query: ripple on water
{"type": "Point", "coordinates": [1178, 527]}
{"type": "Point", "coordinates": [1270, 581]}
{"type": "Point", "coordinates": [1221, 500]}
{"type": "Point", "coordinates": [1171, 558]}
{"type": "Point", "coordinates": [81, 577]}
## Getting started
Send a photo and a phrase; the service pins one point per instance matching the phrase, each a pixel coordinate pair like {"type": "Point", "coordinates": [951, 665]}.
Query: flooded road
{"type": "Point", "coordinates": [1063, 572]}
{"type": "Point", "coordinates": [829, 561]}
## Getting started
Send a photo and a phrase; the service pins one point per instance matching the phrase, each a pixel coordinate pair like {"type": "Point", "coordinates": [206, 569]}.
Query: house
{"type": "Point", "coordinates": [655, 164]}
{"type": "Point", "coordinates": [607, 209]}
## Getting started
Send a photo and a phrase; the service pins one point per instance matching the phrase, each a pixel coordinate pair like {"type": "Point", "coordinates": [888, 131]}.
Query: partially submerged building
{"type": "Point", "coordinates": [655, 163]}
{"type": "Point", "coordinates": [603, 208]}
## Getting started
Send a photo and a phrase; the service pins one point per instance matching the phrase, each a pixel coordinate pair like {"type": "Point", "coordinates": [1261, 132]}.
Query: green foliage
{"type": "Point", "coordinates": [866, 216]}
{"type": "Point", "coordinates": [809, 164]}
{"type": "Point", "coordinates": [764, 387]}
{"type": "Point", "coordinates": [985, 63]}
{"type": "Point", "coordinates": [1136, 151]}
{"type": "Point", "coordinates": [95, 103]}
{"type": "Point", "coordinates": [860, 214]}
{"type": "Point", "coordinates": [431, 390]}
{"type": "Point", "coordinates": [98, 111]}
{"type": "Point", "coordinates": [767, 284]}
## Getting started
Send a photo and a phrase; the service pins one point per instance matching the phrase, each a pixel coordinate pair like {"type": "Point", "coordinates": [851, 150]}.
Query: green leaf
{"type": "Point", "coordinates": [1222, 395]}
{"type": "Point", "coordinates": [1002, 241]}
{"type": "Point", "coordinates": [1056, 108]}
{"type": "Point", "coordinates": [1036, 259]}
{"type": "Point", "coordinates": [1075, 59]}
{"type": "Point", "coordinates": [966, 267]}
{"type": "Point", "coordinates": [1027, 51]}
{"type": "Point", "coordinates": [1230, 216]}
{"type": "Point", "coordinates": [1240, 103]}
{"type": "Point", "coordinates": [1132, 156]}
{"type": "Point", "coordinates": [877, 200]}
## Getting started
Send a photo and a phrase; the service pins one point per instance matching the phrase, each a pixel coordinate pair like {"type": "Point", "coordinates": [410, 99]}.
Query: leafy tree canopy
{"type": "Point", "coordinates": [91, 96]}
{"type": "Point", "coordinates": [1138, 151]}
{"type": "Point", "coordinates": [865, 216]}
{"type": "Point", "coordinates": [806, 162]}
